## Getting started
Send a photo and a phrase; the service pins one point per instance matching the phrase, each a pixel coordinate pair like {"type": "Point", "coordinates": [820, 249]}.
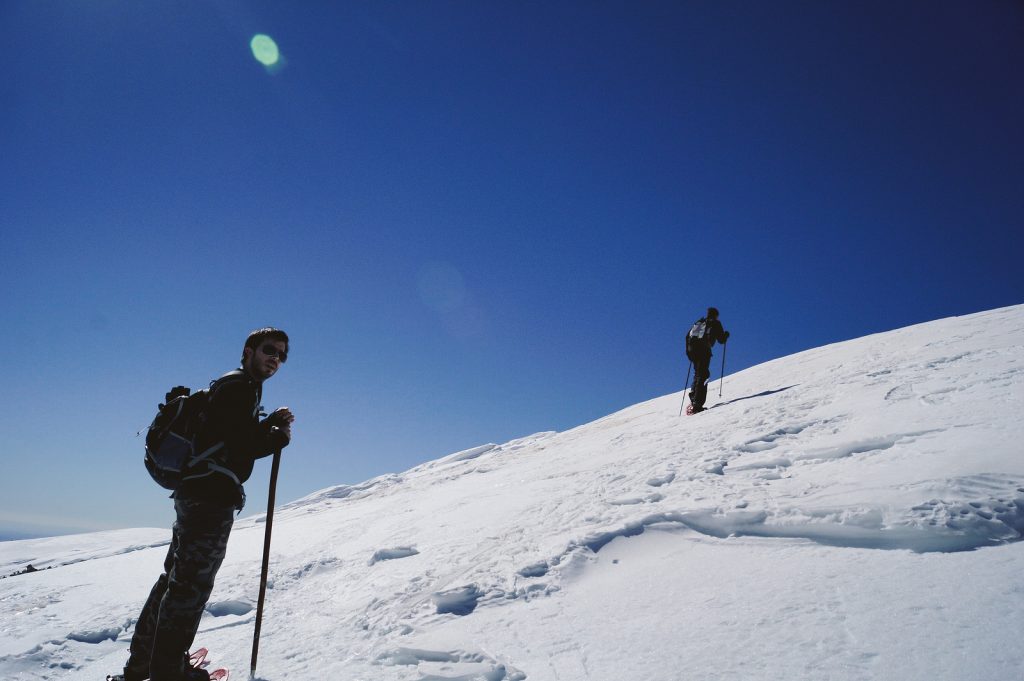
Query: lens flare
{"type": "Point", "coordinates": [264, 49]}
{"type": "Point", "coordinates": [442, 287]}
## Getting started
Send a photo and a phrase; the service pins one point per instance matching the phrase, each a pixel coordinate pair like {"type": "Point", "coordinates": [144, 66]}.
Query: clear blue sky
{"type": "Point", "coordinates": [476, 220]}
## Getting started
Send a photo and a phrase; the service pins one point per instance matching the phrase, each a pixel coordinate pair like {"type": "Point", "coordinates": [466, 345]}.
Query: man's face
{"type": "Point", "coordinates": [263, 361]}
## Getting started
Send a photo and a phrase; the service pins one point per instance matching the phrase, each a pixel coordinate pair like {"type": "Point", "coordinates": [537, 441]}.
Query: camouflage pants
{"type": "Point", "coordinates": [169, 620]}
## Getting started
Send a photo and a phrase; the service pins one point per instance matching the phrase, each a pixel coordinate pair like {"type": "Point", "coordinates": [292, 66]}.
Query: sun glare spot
{"type": "Point", "coordinates": [264, 49]}
{"type": "Point", "coordinates": [442, 287]}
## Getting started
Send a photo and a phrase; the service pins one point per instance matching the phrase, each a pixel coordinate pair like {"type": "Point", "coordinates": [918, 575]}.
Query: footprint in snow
{"type": "Point", "coordinates": [230, 607]}
{"type": "Point", "coordinates": [635, 501]}
{"type": "Point", "coordinates": [769, 441]}
{"type": "Point", "coordinates": [441, 664]}
{"type": "Point", "coordinates": [461, 601]}
{"type": "Point", "coordinates": [393, 554]}
{"type": "Point", "coordinates": [661, 480]}
{"type": "Point", "coordinates": [95, 635]}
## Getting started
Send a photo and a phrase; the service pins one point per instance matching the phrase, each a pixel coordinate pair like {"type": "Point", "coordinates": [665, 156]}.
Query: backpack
{"type": "Point", "coordinates": [171, 437]}
{"type": "Point", "coordinates": [699, 330]}
{"type": "Point", "coordinates": [697, 338]}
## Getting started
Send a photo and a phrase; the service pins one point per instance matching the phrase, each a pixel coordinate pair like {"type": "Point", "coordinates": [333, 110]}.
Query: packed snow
{"type": "Point", "coordinates": [849, 512]}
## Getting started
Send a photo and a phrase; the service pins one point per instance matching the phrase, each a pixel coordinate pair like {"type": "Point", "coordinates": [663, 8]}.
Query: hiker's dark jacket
{"type": "Point", "coordinates": [696, 347]}
{"type": "Point", "coordinates": [232, 418]}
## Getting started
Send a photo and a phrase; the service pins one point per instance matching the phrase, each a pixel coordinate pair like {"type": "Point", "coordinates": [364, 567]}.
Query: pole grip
{"type": "Point", "coordinates": [266, 561]}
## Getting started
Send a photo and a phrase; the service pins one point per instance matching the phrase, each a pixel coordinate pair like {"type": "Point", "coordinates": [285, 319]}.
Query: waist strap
{"type": "Point", "coordinates": [211, 467]}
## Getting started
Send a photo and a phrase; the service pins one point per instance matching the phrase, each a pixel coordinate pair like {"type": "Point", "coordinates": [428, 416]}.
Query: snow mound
{"type": "Point", "coordinates": [854, 511]}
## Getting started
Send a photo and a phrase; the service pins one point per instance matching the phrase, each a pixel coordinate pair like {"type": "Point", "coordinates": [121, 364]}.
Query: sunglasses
{"type": "Point", "coordinates": [270, 351]}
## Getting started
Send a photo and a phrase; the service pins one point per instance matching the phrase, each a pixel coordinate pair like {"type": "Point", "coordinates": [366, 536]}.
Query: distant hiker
{"type": "Point", "coordinates": [205, 502]}
{"type": "Point", "coordinates": [702, 336]}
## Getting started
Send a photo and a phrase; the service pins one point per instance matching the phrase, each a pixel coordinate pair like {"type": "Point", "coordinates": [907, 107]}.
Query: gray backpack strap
{"type": "Point", "coordinates": [209, 452]}
{"type": "Point", "coordinates": [212, 468]}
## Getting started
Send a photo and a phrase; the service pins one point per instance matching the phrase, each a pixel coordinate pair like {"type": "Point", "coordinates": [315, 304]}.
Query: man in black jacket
{"type": "Point", "coordinates": [232, 437]}
{"type": "Point", "coordinates": [699, 341]}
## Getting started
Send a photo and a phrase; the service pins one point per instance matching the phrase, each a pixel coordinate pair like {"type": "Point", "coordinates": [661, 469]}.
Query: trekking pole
{"type": "Point", "coordinates": [266, 561]}
{"type": "Point", "coordinates": [722, 382]}
{"type": "Point", "coordinates": [681, 404]}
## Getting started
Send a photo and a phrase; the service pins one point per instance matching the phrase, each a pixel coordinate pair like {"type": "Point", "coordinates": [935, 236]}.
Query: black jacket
{"type": "Point", "coordinates": [697, 347]}
{"type": "Point", "coordinates": [235, 436]}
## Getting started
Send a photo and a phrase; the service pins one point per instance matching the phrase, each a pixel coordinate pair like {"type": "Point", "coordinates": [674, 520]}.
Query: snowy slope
{"type": "Point", "coordinates": [850, 512]}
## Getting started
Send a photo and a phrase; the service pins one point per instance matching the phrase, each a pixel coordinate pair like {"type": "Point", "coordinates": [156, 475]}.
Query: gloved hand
{"type": "Point", "coordinates": [281, 417]}
{"type": "Point", "coordinates": [281, 420]}
{"type": "Point", "coordinates": [283, 436]}
{"type": "Point", "coordinates": [725, 337]}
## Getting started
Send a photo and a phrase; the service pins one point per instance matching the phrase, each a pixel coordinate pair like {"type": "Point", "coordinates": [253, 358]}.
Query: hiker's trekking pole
{"type": "Point", "coordinates": [681, 404]}
{"type": "Point", "coordinates": [722, 382]}
{"type": "Point", "coordinates": [266, 561]}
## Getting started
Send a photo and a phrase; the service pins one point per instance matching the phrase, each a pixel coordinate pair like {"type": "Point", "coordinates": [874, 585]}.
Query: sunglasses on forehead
{"type": "Point", "coordinates": [271, 351]}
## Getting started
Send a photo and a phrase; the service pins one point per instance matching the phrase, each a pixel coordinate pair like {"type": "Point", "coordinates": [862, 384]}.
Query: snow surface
{"type": "Point", "coordinates": [849, 512]}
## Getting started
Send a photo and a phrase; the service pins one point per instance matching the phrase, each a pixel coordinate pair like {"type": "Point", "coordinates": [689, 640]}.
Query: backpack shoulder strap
{"type": "Point", "coordinates": [236, 376]}
{"type": "Point", "coordinates": [230, 377]}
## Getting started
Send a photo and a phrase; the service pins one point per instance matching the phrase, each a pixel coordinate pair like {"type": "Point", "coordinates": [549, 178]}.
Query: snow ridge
{"type": "Point", "coordinates": [828, 487]}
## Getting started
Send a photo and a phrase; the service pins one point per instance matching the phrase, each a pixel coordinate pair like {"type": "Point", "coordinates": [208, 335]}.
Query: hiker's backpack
{"type": "Point", "coordinates": [172, 437]}
{"type": "Point", "coordinates": [170, 440]}
{"type": "Point", "coordinates": [698, 334]}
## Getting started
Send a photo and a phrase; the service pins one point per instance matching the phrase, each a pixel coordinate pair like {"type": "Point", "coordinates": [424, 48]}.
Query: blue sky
{"type": "Point", "coordinates": [475, 220]}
